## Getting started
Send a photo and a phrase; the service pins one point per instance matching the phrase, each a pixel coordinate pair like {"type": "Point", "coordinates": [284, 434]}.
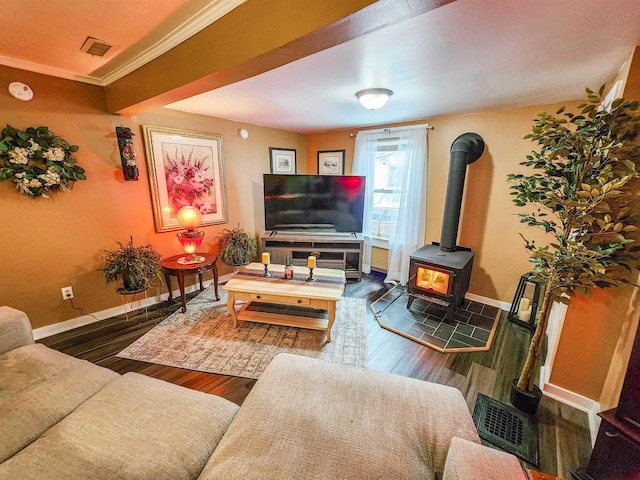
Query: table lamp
{"type": "Point", "coordinates": [190, 218]}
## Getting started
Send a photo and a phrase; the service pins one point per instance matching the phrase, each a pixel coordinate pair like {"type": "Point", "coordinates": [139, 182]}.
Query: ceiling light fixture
{"type": "Point", "coordinates": [373, 98]}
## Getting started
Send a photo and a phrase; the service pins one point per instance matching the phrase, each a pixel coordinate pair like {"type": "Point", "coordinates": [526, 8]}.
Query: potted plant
{"type": "Point", "coordinates": [236, 247]}
{"type": "Point", "coordinates": [137, 267]}
{"type": "Point", "coordinates": [581, 193]}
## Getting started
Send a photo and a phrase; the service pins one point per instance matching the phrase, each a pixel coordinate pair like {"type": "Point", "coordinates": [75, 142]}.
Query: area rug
{"type": "Point", "coordinates": [470, 330]}
{"type": "Point", "coordinates": [203, 339]}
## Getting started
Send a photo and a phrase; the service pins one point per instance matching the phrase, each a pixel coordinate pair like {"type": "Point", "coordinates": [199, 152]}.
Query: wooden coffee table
{"type": "Point", "coordinates": [293, 303]}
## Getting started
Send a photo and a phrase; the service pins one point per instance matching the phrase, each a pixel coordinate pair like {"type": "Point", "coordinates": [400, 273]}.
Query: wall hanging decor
{"type": "Point", "coordinates": [283, 160]}
{"type": "Point", "coordinates": [331, 162]}
{"type": "Point", "coordinates": [185, 169]}
{"type": "Point", "coordinates": [38, 161]}
{"type": "Point", "coordinates": [127, 154]}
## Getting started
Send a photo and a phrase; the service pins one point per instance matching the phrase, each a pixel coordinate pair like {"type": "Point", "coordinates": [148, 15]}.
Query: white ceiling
{"type": "Point", "coordinates": [467, 56]}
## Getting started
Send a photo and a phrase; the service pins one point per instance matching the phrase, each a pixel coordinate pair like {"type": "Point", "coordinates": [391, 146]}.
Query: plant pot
{"type": "Point", "coordinates": [524, 401]}
{"type": "Point", "coordinates": [132, 282]}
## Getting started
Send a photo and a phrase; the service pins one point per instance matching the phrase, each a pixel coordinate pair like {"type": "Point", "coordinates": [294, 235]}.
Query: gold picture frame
{"type": "Point", "coordinates": [185, 168]}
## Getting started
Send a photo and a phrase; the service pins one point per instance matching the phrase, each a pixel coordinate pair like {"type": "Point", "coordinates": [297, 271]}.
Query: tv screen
{"type": "Point", "coordinates": [333, 203]}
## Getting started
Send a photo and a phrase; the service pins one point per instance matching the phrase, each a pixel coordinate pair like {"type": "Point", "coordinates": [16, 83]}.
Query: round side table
{"type": "Point", "coordinates": [171, 267]}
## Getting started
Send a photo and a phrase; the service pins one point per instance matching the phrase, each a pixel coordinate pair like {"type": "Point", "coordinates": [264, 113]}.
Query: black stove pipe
{"type": "Point", "coordinates": [465, 149]}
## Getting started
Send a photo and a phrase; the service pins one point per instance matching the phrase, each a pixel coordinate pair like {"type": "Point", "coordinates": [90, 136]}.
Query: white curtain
{"type": "Point", "coordinates": [412, 212]}
{"type": "Point", "coordinates": [409, 235]}
{"type": "Point", "coordinates": [364, 163]}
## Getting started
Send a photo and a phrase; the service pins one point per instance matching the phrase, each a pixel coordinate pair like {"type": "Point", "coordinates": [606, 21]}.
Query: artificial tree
{"type": "Point", "coordinates": [582, 193]}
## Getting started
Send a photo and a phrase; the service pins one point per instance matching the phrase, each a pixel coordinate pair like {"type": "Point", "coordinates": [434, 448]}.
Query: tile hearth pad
{"type": "Point", "coordinates": [427, 322]}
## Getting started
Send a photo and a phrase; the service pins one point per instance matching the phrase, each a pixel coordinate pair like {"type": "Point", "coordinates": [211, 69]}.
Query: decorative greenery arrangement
{"type": "Point", "coordinates": [583, 191]}
{"type": "Point", "coordinates": [137, 266]}
{"type": "Point", "coordinates": [236, 247]}
{"type": "Point", "coordinates": [39, 161]}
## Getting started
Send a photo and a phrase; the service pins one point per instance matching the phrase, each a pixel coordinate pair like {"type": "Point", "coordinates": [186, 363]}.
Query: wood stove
{"type": "Point", "coordinates": [440, 276]}
{"type": "Point", "coordinates": [441, 272]}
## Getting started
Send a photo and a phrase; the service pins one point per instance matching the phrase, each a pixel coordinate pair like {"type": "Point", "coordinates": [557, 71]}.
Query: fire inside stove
{"type": "Point", "coordinates": [430, 279]}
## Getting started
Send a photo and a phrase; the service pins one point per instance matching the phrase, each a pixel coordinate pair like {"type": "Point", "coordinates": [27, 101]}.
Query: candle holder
{"type": "Point", "coordinates": [526, 314]}
{"type": "Point", "coordinates": [266, 270]}
{"type": "Point", "coordinates": [310, 278]}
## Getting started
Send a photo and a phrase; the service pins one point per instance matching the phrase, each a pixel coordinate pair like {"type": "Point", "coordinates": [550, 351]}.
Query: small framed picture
{"type": "Point", "coordinates": [283, 160]}
{"type": "Point", "coordinates": [331, 162]}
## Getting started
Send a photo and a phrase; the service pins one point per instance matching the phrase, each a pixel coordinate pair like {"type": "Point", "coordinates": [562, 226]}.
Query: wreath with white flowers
{"type": "Point", "coordinates": [38, 161]}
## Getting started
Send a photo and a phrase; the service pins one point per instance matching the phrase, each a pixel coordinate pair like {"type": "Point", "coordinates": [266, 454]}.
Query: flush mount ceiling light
{"type": "Point", "coordinates": [373, 98]}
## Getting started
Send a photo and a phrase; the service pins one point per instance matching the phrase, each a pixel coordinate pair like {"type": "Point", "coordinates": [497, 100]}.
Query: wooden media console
{"type": "Point", "coordinates": [333, 250]}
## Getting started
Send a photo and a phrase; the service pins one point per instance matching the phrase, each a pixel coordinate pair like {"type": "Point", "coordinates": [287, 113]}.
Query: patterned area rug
{"type": "Point", "coordinates": [203, 339]}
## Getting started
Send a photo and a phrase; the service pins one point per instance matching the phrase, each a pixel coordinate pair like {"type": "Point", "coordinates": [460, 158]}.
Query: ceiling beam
{"type": "Point", "coordinates": [255, 37]}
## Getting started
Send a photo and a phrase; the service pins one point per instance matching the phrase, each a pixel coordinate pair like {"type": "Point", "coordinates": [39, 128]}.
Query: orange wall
{"type": "Point", "coordinates": [589, 337]}
{"type": "Point", "coordinates": [46, 244]}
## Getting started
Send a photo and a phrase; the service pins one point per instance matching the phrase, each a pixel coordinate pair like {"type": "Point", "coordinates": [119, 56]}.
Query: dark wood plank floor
{"type": "Point", "coordinates": [564, 439]}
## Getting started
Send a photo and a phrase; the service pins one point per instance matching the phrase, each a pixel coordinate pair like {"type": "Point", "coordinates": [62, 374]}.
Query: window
{"type": "Point", "coordinates": [387, 188]}
{"type": "Point", "coordinates": [394, 160]}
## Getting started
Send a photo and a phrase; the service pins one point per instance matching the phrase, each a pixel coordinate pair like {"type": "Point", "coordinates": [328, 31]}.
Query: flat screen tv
{"type": "Point", "coordinates": [330, 203]}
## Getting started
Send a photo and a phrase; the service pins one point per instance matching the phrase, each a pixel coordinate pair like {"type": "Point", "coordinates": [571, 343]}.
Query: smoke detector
{"type": "Point", "coordinates": [94, 46]}
{"type": "Point", "coordinates": [21, 91]}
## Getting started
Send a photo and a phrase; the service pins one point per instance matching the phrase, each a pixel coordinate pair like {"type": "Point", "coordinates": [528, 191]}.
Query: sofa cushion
{"type": "Point", "coordinates": [38, 388]}
{"type": "Point", "coordinates": [15, 329]}
{"type": "Point", "coordinates": [306, 418]}
{"type": "Point", "coordinates": [134, 428]}
{"type": "Point", "coordinates": [25, 367]}
{"type": "Point", "coordinates": [27, 415]}
{"type": "Point", "coordinates": [469, 460]}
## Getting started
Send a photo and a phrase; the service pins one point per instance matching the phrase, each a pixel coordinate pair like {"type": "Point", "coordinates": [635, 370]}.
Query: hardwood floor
{"type": "Point", "coordinates": [563, 433]}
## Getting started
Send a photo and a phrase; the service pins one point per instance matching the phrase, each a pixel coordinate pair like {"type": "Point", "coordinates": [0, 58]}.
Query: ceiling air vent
{"type": "Point", "coordinates": [93, 46]}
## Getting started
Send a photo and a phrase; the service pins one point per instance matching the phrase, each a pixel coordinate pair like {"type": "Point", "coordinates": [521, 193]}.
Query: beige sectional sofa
{"type": "Point", "coordinates": [64, 418]}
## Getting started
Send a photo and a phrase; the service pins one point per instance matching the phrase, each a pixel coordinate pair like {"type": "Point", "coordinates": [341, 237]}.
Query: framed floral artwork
{"type": "Point", "coordinates": [185, 168]}
{"type": "Point", "coordinates": [331, 162]}
{"type": "Point", "coordinates": [283, 160]}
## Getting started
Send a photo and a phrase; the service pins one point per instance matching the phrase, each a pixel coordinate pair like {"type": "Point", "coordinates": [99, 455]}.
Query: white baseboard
{"type": "Point", "coordinates": [488, 301]}
{"type": "Point", "coordinates": [575, 400]}
{"type": "Point", "coordinates": [83, 320]}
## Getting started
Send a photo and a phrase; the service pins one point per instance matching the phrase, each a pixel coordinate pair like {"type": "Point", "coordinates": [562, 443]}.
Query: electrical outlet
{"type": "Point", "coordinates": [67, 293]}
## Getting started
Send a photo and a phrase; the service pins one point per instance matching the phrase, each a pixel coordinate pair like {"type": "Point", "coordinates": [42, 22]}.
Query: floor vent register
{"type": "Point", "coordinates": [506, 428]}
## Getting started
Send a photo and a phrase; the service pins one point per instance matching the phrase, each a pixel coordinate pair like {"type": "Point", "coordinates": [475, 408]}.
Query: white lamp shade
{"type": "Point", "coordinates": [373, 98]}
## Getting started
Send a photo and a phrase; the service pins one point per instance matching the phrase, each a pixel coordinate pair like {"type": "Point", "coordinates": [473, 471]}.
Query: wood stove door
{"type": "Point", "coordinates": [431, 281]}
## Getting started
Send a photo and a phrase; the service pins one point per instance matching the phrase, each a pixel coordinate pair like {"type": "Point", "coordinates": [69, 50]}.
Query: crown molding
{"type": "Point", "coordinates": [51, 71]}
{"type": "Point", "coordinates": [197, 22]}
{"type": "Point", "coordinates": [191, 26]}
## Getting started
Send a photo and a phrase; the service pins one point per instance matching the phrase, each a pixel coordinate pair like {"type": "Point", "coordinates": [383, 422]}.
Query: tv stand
{"type": "Point", "coordinates": [342, 251]}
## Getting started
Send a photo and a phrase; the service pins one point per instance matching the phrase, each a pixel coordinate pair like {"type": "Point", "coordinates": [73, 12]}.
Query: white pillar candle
{"type": "Point", "coordinates": [311, 262]}
{"type": "Point", "coordinates": [524, 315]}
{"type": "Point", "coordinates": [524, 304]}
{"type": "Point", "coordinates": [266, 258]}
